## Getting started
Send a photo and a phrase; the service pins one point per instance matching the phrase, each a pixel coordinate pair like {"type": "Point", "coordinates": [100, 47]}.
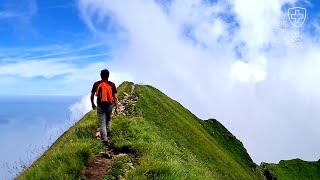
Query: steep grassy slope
{"type": "Point", "coordinates": [295, 169]}
{"type": "Point", "coordinates": [228, 142]}
{"type": "Point", "coordinates": [66, 157]}
{"type": "Point", "coordinates": [172, 143]}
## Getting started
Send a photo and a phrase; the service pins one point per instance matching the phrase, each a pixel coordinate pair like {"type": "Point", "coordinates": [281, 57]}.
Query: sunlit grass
{"type": "Point", "coordinates": [66, 157]}
{"type": "Point", "coordinates": [295, 169]}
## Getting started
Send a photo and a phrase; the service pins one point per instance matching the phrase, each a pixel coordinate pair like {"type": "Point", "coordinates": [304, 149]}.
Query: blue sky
{"type": "Point", "coordinates": [33, 23]}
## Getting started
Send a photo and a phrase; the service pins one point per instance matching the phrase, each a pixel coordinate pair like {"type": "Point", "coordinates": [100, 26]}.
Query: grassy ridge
{"type": "Point", "coordinates": [295, 169]}
{"type": "Point", "coordinates": [169, 141]}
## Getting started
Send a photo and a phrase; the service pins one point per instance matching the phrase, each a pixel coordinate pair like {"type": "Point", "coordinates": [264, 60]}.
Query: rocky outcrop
{"type": "Point", "coordinates": [128, 102]}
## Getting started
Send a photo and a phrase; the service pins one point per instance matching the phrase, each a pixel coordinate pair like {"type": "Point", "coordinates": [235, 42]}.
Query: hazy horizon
{"type": "Point", "coordinates": [27, 125]}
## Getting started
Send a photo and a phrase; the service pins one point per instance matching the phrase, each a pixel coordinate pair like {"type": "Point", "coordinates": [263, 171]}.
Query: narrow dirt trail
{"type": "Point", "coordinates": [97, 167]}
{"type": "Point", "coordinates": [101, 164]}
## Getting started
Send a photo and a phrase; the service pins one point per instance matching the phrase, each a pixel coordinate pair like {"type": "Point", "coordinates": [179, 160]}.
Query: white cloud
{"type": "Point", "coordinates": [20, 13]}
{"type": "Point", "coordinates": [59, 72]}
{"type": "Point", "coordinates": [8, 14]}
{"type": "Point", "coordinates": [72, 66]}
{"type": "Point", "coordinates": [29, 69]}
{"type": "Point", "coordinates": [249, 72]}
{"type": "Point", "coordinates": [268, 98]}
{"type": "Point", "coordinates": [80, 108]}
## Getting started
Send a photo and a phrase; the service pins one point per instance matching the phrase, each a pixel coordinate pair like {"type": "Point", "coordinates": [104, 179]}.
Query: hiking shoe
{"type": "Point", "coordinates": [105, 142]}
{"type": "Point", "coordinates": [109, 134]}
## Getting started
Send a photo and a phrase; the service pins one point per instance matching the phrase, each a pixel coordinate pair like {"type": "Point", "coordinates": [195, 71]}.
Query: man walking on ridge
{"type": "Point", "coordinates": [106, 93]}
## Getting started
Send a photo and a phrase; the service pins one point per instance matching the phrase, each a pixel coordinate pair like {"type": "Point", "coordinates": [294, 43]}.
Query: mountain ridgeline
{"type": "Point", "coordinates": [161, 140]}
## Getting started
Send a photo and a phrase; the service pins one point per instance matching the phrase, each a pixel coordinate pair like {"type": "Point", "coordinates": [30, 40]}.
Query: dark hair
{"type": "Point", "coordinates": [104, 74]}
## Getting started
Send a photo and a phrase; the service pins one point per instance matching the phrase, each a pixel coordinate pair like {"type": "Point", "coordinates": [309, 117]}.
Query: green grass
{"type": "Point", "coordinates": [228, 142]}
{"type": "Point", "coordinates": [118, 168]}
{"type": "Point", "coordinates": [295, 169]}
{"type": "Point", "coordinates": [163, 139]}
{"type": "Point", "coordinates": [66, 157]}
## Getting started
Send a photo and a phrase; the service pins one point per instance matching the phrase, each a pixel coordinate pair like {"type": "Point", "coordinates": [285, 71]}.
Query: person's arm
{"type": "Point", "coordinates": [115, 96]}
{"type": "Point", "coordinates": [93, 90]}
{"type": "Point", "coordinates": [94, 107]}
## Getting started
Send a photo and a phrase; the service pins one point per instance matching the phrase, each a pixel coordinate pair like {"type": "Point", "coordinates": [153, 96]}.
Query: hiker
{"type": "Point", "coordinates": [106, 93]}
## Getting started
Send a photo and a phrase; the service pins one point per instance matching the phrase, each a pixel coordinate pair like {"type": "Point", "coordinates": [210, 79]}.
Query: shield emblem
{"type": "Point", "coordinates": [297, 16]}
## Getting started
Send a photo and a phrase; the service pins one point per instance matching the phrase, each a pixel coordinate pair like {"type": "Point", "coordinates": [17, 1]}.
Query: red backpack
{"type": "Point", "coordinates": [104, 92]}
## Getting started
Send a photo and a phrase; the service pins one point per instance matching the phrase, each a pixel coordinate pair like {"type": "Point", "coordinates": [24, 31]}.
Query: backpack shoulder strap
{"type": "Point", "coordinates": [98, 86]}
